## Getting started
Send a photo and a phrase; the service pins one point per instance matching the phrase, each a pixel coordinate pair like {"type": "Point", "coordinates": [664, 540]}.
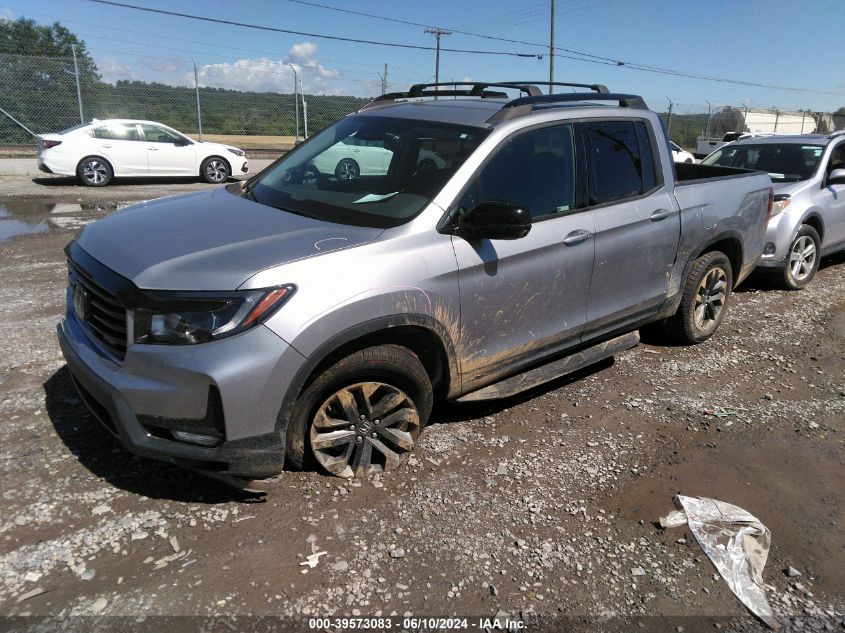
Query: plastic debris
{"type": "Point", "coordinates": [674, 519]}
{"type": "Point", "coordinates": [719, 412]}
{"type": "Point", "coordinates": [737, 544]}
{"type": "Point", "coordinates": [312, 559]}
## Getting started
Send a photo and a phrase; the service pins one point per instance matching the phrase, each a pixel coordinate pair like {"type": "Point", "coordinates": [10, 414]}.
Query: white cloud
{"type": "Point", "coordinates": [273, 75]}
{"type": "Point", "coordinates": [112, 70]}
{"type": "Point", "coordinates": [5, 15]}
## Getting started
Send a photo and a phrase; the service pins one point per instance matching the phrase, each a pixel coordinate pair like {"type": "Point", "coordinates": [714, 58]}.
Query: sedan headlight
{"type": "Point", "coordinates": [235, 151]}
{"type": "Point", "coordinates": [187, 318]}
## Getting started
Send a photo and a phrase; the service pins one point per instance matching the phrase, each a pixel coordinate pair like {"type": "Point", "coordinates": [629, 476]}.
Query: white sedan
{"type": "Point", "coordinates": [353, 157]}
{"type": "Point", "coordinates": [680, 155]}
{"type": "Point", "coordinates": [98, 151]}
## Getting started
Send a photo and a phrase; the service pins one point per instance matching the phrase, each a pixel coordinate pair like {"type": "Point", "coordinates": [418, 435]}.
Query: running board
{"type": "Point", "coordinates": [566, 365]}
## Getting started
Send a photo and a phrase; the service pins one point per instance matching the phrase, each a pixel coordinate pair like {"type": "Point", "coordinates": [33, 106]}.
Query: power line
{"type": "Point", "coordinates": [583, 56]}
{"type": "Point", "coordinates": [306, 34]}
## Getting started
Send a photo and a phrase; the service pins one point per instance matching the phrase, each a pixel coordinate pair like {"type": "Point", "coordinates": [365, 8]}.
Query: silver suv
{"type": "Point", "coordinates": [480, 246]}
{"type": "Point", "coordinates": [808, 216]}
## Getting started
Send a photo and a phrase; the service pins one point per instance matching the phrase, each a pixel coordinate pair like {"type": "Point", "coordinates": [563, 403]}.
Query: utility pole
{"type": "Point", "coordinates": [199, 111]}
{"type": "Point", "coordinates": [78, 89]}
{"type": "Point", "coordinates": [709, 110]}
{"type": "Point", "coordinates": [384, 79]}
{"type": "Point", "coordinates": [552, 48]}
{"type": "Point", "coordinates": [438, 32]}
{"type": "Point", "coordinates": [304, 109]}
{"type": "Point", "coordinates": [669, 123]}
{"type": "Point", "coordinates": [296, 100]}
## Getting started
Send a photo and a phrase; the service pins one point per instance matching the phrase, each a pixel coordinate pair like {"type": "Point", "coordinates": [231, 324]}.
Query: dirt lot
{"type": "Point", "coordinates": [541, 507]}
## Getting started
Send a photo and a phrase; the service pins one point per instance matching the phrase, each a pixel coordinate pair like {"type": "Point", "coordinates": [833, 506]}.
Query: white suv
{"type": "Point", "coordinates": [98, 151]}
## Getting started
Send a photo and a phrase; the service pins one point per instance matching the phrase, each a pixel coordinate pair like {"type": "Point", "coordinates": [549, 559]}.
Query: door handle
{"type": "Point", "coordinates": [153, 149]}
{"type": "Point", "coordinates": [659, 215]}
{"type": "Point", "coordinates": [104, 145]}
{"type": "Point", "coordinates": [576, 237]}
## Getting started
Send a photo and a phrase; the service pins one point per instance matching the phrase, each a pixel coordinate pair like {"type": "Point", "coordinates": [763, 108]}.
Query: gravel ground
{"type": "Point", "coordinates": [542, 507]}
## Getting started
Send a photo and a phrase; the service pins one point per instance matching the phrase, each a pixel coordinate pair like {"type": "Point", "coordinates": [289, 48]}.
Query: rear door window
{"type": "Point", "coordinates": [118, 132]}
{"type": "Point", "coordinates": [621, 161]}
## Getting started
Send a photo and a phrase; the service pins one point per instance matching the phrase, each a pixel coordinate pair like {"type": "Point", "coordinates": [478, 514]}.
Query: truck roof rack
{"type": "Point", "coordinates": [524, 105]}
{"type": "Point", "coordinates": [475, 89]}
{"type": "Point", "coordinates": [600, 88]}
{"type": "Point", "coordinates": [515, 107]}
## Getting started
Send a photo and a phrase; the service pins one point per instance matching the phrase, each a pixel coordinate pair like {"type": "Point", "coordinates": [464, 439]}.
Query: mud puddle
{"type": "Point", "coordinates": [30, 217]}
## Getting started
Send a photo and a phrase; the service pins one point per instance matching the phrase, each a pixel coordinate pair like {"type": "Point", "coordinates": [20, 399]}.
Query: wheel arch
{"type": "Point", "coordinates": [421, 334]}
{"type": "Point", "coordinates": [727, 242]}
{"type": "Point", "coordinates": [814, 219]}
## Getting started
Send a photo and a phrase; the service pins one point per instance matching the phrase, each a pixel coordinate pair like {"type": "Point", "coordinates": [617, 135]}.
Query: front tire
{"type": "Point", "coordinates": [94, 171]}
{"type": "Point", "coordinates": [802, 260]}
{"type": "Point", "coordinates": [362, 415]}
{"type": "Point", "coordinates": [347, 169]}
{"type": "Point", "coordinates": [705, 299]}
{"type": "Point", "coordinates": [214, 170]}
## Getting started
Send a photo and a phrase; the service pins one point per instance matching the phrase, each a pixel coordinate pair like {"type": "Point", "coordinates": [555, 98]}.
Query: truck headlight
{"type": "Point", "coordinates": [188, 318]}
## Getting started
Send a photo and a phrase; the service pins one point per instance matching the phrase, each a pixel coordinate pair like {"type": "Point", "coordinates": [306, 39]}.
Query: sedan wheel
{"type": "Point", "coordinates": [215, 170]}
{"type": "Point", "coordinates": [94, 172]}
{"type": "Point", "coordinates": [347, 169]}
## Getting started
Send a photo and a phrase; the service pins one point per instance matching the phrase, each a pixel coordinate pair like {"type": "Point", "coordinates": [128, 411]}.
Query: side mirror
{"type": "Point", "coordinates": [495, 221]}
{"type": "Point", "coordinates": [836, 177]}
{"type": "Point", "coordinates": [182, 142]}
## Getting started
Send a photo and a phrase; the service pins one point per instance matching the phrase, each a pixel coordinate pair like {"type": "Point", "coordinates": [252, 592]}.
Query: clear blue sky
{"type": "Point", "coordinates": [782, 42]}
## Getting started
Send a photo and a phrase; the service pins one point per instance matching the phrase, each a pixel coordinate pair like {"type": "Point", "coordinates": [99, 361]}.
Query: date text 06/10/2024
{"type": "Point", "coordinates": [416, 623]}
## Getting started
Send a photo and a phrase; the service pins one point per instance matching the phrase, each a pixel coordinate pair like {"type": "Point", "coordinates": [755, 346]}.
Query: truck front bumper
{"type": "Point", "coordinates": [226, 393]}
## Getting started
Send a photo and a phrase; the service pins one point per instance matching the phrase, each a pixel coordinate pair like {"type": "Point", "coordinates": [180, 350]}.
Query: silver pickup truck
{"type": "Point", "coordinates": [313, 314]}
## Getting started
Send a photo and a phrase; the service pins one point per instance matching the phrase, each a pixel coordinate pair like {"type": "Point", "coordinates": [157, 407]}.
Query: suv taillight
{"type": "Point", "coordinates": [46, 144]}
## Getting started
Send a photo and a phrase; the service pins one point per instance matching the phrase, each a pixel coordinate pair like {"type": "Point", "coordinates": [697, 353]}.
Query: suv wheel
{"type": "Point", "coordinates": [362, 415]}
{"type": "Point", "coordinates": [703, 304]}
{"type": "Point", "coordinates": [94, 172]}
{"type": "Point", "coordinates": [802, 261]}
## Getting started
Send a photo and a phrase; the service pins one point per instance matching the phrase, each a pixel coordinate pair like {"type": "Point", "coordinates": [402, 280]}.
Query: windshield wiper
{"type": "Point", "coordinates": [247, 192]}
{"type": "Point", "coordinates": [294, 212]}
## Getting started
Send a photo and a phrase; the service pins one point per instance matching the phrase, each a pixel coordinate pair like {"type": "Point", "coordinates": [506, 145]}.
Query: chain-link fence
{"type": "Point", "coordinates": [49, 94]}
{"type": "Point", "coordinates": [39, 95]}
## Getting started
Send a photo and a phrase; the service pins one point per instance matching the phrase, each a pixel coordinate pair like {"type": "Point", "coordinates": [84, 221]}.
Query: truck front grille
{"type": "Point", "coordinates": [106, 316]}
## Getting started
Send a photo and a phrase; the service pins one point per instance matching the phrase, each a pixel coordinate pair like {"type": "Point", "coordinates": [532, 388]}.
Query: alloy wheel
{"type": "Point", "coordinates": [802, 258]}
{"type": "Point", "coordinates": [216, 171]}
{"type": "Point", "coordinates": [363, 429]}
{"type": "Point", "coordinates": [95, 172]}
{"type": "Point", "coordinates": [710, 298]}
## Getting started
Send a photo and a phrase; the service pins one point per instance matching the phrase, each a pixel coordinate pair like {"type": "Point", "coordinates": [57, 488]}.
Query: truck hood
{"type": "Point", "coordinates": [212, 240]}
{"type": "Point", "coordinates": [790, 188]}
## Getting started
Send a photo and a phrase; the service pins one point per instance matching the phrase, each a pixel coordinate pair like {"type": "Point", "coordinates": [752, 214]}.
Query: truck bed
{"type": "Point", "coordinates": [688, 173]}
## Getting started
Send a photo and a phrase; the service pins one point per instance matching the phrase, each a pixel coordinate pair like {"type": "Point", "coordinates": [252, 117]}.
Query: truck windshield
{"type": "Point", "coordinates": [784, 162]}
{"type": "Point", "coordinates": [367, 170]}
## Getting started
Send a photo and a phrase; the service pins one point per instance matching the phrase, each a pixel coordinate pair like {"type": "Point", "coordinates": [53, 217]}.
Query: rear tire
{"type": "Point", "coordinates": [362, 415]}
{"type": "Point", "coordinates": [94, 171]}
{"type": "Point", "coordinates": [802, 259]}
{"type": "Point", "coordinates": [705, 299]}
